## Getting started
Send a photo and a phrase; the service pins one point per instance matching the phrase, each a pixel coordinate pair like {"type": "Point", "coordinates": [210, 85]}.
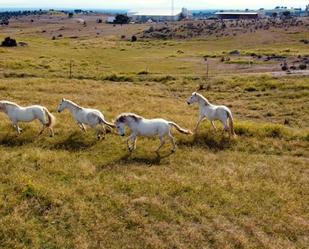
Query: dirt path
{"type": "Point", "coordinates": [291, 73]}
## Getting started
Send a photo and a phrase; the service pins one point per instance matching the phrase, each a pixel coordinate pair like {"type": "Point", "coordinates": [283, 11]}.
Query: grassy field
{"type": "Point", "coordinates": [72, 191]}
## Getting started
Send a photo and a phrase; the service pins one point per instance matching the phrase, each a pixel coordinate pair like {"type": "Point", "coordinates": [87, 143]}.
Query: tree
{"type": "Point", "coordinates": [121, 19]}
{"type": "Point", "coordinates": [274, 14]}
{"type": "Point", "coordinates": [286, 14]}
{"type": "Point", "coordinates": [133, 38]}
{"type": "Point", "coordinates": [8, 42]}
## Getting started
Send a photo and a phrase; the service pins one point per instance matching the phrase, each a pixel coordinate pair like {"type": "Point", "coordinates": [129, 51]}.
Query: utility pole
{"type": "Point", "coordinates": [71, 65]}
{"type": "Point", "coordinates": [207, 66]}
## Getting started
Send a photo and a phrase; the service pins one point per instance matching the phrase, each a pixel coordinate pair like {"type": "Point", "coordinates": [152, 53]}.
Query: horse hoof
{"type": "Point", "coordinates": [99, 137]}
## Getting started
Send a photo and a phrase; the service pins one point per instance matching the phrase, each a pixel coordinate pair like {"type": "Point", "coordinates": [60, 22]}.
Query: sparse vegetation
{"type": "Point", "coordinates": [9, 42]}
{"type": "Point", "coordinates": [72, 191]}
{"type": "Point", "coordinates": [133, 38]}
{"type": "Point", "coordinates": [121, 19]}
{"type": "Point", "coordinates": [118, 78]}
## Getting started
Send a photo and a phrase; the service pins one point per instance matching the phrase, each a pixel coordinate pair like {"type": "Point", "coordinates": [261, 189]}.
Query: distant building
{"type": "Point", "coordinates": [159, 15]}
{"type": "Point", "coordinates": [110, 19]}
{"type": "Point", "coordinates": [283, 11]}
{"type": "Point", "coordinates": [237, 15]}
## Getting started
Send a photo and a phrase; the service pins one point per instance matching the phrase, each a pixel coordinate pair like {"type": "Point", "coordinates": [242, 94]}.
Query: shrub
{"type": "Point", "coordinates": [292, 67]}
{"type": "Point", "coordinates": [250, 89]}
{"type": "Point", "coordinates": [121, 19]}
{"type": "Point", "coordinates": [133, 38]}
{"type": "Point", "coordinates": [144, 72]}
{"type": "Point", "coordinates": [266, 130]}
{"type": "Point", "coordinates": [8, 42]}
{"type": "Point", "coordinates": [118, 78]}
{"type": "Point", "coordinates": [302, 66]}
{"type": "Point", "coordinates": [274, 131]}
{"type": "Point", "coordinates": [164, 78]}
{"type": "Point", "coordinates": [284, 68]}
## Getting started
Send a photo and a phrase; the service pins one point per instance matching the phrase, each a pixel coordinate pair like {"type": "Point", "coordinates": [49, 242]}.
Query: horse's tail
{"type": "Point", "coordinates": [231, 122]}
{"type": "Point", "coordinates": [51, 120]}
{"type": "Point", "coordinates": [103, 121]}
{"type": "Point", "coordinates": [185, 131]}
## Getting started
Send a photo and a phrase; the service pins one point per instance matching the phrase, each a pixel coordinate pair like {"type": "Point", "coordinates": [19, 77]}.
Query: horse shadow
{"type": "Point", "coordinates": [210, 141]}
{"type": "Point", "coordinates": [132, 158]}
{"type": "Point", "coordinates": [14, 140]}
{"type": "Point", "coordinates": [74, 142]}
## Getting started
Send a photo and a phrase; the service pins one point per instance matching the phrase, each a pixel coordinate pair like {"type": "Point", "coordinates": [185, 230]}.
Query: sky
{"type": "Point", "coordinates": [155, 4]}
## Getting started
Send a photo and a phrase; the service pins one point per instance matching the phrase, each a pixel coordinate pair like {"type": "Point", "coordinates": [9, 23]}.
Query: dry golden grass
{"type": "Point", "coordinates": [72, 191]}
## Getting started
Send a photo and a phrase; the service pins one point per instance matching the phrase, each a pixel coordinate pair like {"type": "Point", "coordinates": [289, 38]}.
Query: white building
{"type": "Point", "coordinates": [110, 19]}
{"type": "Point", "coordinates": [159, 15]}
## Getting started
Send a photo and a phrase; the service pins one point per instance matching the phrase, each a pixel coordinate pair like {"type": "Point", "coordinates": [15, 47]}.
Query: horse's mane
{"type": "Point", "coordinates": [9, 103]}
{"type": "Point", "coordinates": [202, 97]}
{"type": "Point", "coordinates": [121, 118]}
{"type": "Point", "coordinates": [73, 103]}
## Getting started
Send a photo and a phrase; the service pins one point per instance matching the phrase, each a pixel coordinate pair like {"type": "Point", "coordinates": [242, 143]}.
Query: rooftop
{"type": "Point", "coordinates": [154, 12]}
{"type": "Point", "coordinates": [235, 13]}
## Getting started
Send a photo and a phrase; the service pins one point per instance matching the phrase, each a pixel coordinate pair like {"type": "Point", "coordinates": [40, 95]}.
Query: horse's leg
{"type": "Point", "coordinates": [162, 140]}
{"type": "Point", "coordinates": [82, 126]}
{"type": "Point", "coordinates": [134, 143]}
{"type": "Point", "coordinates": [132, 137]}
{"type": "Point", "coordinates": [226, 127]}
{"type": "Point", "coordinates": [51, 130]}
{"type": "Point", "coordinates": [15, 125]}
{"type": "Point", "coordinates": [173, 141]}
{"type": "Point", "coordinates": [98, 131]}
{"type": "Point", "coordinates": [43, 125]}
{"type": "Point", "coordinates": [213, 125]}
{"type": "Point", "coordinates": [43, 128]}
{"type": "Point", "coordinates": [103, 131]}
{"type": "Point", "coordinates": [198, 124]}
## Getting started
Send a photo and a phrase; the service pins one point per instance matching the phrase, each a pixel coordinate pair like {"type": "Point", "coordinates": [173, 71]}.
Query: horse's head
{"type": "Point", "coordinates": [62, 105]}
{"type": "Point", "coordinates": [193, 98]}
{"type": "Point", "coordinates": [120, 124]}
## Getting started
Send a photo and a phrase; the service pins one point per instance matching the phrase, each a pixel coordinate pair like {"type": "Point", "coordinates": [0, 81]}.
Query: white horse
{"type": "Point", "coordinates": [146, 127]}
{"type": "Point", "coordinates": [86, 116]}
{"type": "Point", "coordinates": [212, 112]}
{"type": "Point", "coordinates": [17, 114]}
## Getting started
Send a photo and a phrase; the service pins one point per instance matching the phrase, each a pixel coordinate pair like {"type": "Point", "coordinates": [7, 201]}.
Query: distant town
{"type": "Point", "coordinates": [155, 15]}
